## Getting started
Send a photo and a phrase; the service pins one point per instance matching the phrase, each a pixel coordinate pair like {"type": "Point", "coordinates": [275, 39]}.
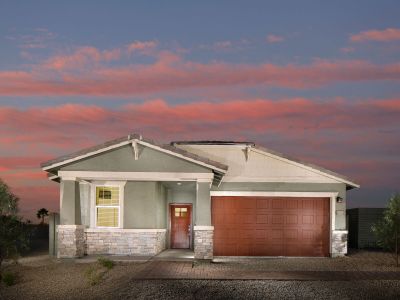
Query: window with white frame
{"type": "Point", "coordinates": [107, 206]}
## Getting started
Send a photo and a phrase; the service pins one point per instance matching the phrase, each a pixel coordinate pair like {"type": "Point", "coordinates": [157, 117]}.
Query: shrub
{"type": "Point", "coordinates": [8, 278]}
{"type": "Point", "coordinates": [94, 275]}
{"type": "Point", "coordinates": [387, 230]}
{"type": "Point", "coordinates": [106, 263]}
{"type": "Point", "coordinates": [96, 272]}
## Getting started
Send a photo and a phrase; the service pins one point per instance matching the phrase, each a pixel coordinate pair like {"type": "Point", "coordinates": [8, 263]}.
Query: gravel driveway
{"type": "Point", "coordinates": [52, 279]}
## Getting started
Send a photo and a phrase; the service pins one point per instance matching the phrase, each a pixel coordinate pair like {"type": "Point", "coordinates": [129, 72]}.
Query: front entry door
{"type": "Point", "coordinates": [180, 226]}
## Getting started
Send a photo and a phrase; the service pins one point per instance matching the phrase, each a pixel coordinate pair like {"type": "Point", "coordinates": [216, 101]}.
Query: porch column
{"type": "Point", "coordinates": [71, 239]}
{"type": "Point", "coordinates": [203, 231]}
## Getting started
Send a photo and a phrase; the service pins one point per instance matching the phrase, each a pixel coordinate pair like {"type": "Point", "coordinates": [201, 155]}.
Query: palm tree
{"type": "Point", "coordinates": [41, 213]}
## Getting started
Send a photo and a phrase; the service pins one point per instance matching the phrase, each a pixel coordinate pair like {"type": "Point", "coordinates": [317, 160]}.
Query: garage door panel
{"type": "Point", "coordinates": [278, 219]}
{"type": "Point", "coordinates": [245, 234]}
{"type": "Point", "coordinates": [260, 234]}
{"type": "Point", "coordinates": [307, 219]}
{"type": "Point", "coordinates": [245, 218]}
{"type": "Point", "coordinates": [292, 204]}
{"type": "Point", "coordinates": [275, 234]}
{"type": "Point", "coordinates": [278, 204]}
{"type": "Point", "coordinates": [291, 219]}
{"type": "Point", "coordinates": [321, 220]}
{"type": "Point", "coordinates": [270, 226]}
{"type": "Point", "coordinates": [307, 204]}
{"type": "Point", "coordinates": [263, 203]}
{"type": "Point", "coordinates": [291, 235]}
{"type": "Point", "coordinates": [262, 219]}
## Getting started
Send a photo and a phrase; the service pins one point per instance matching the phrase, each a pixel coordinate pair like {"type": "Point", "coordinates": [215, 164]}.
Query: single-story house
{"type": "Point", "coordinates": [359, 224]}
{"type": "Point", "coordinates": [133, 196]}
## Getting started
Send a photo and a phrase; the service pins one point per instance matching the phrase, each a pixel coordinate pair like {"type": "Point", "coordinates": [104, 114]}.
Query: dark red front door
{"type": "Point", "coordinates": [180, 226]}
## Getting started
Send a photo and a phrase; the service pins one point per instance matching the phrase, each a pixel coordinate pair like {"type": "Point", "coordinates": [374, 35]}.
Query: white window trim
{"type": "Point", "coordinates": [121, 186]}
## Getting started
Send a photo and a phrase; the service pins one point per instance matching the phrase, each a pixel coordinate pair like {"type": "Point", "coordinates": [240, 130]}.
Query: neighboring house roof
{"type": "Point", "coordinates": [319, 169]}
{"type": "Point", "coordinates": [218, 168]}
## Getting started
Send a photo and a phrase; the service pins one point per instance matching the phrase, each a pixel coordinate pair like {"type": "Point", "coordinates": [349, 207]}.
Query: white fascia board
{"type": "Point", "coordinates": [52, 177]}
{"type": "Point", "coordinates": [305, 167]}
{"type": "Point", "coordinates": [295, 179]}
{"type": "Point", "coordinates": [67, 161]}
{"type": "Point", "coordinates": [140, 176]}
{"type": "Point", "coordinates": [181, 156]}
{"type": "Point", "coordinates": [273, 194]}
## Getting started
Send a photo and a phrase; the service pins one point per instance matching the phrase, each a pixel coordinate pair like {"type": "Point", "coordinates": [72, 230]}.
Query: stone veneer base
{"type": "Point", "coordinates": [71, 241]}
{"type": "Point", "coordinates": [140, 242]}
{"type": "Point", "coordinates": [339, 243]}
{"type": "Point", "coordinates": [203, 242]}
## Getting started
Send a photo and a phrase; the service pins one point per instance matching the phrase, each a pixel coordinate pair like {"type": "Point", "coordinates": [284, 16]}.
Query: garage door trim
{"type": "Point", "coordinates": [331, 195]}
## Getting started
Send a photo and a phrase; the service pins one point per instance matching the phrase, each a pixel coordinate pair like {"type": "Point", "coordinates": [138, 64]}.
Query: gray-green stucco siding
{"type": "Point", "coordinates": [122, 160]}
{"type": "Point", "coordinates": [70, 203]}
{"type": "Point", "coordinates": [145, 205]}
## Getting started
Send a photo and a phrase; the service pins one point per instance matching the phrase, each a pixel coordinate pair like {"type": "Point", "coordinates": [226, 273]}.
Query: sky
{"type": "Point", "coordinates": [316, 80]}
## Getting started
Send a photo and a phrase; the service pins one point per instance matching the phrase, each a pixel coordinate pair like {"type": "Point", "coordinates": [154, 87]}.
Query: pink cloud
{"type": "Point", "coordinates": [18, 162]}
{"type": "Point", "coordinates": [170, 73]}
{"type": "Point", "coordinates": [272, 38]}
{"type": "Point", "coordinates": [357, 138]}
{"type": "Point", "coordinates": [56, 125]}
{"type": "Point", "coordinates": [81, 57]}
{"type": "Point", "coordinates": [143, 47]}
{"type": "Point", "coordinates": [386, 35]}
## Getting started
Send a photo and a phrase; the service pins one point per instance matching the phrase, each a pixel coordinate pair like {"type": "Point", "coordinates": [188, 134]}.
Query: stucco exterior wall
{"type": "Point", "coordinates": [255, 166]}
{"type": "Point", "coordinates": [85, 205]}
{"type": "Point", "coordinates": [70, 213]}
{"type": "Point", "coordinates": [144, 205]}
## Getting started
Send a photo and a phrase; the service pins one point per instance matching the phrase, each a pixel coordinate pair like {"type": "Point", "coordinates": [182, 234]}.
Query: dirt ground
{"type": "Point", "coordinates": [41, 277]}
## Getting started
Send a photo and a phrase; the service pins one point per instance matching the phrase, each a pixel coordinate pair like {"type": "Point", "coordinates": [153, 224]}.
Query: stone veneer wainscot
{"type": "Point", "coordinates": [141, 242]}
{"type": "Point", "coordinates": [339, 243]}
{"type": "Point", "coordinates": [203, 242]}
{"type": "Point", "coordinates": [71, 241]}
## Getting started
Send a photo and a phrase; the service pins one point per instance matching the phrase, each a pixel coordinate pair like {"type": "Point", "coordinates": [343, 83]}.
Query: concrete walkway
{"type": "Point", "coordinates": [192, 270]}
{"type": "Point", "coordinates": [175, 255]}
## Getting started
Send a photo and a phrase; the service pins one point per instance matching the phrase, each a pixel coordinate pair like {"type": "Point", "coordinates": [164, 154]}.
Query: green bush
{"type": "Point", "coordinates": [94, 275]}
{"type": "Point", "coordinates": [96, 272]}
{"type": "Point", "coordinates": [9, 278]}
{"type": "Point", "coordinates": [106, 263]}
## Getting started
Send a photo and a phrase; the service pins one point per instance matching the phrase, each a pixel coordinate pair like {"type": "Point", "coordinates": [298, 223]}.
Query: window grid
{"type": "Point", "coordinates": [107, 206]}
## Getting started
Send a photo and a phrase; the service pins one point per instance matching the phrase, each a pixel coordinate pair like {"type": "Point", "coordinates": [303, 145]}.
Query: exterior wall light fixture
{"type": "Point", "coordinates": [339, 199]}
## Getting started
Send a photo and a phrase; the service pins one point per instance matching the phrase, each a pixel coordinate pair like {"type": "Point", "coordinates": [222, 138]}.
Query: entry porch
{"type": "Point", "coordinates": [117, 215]}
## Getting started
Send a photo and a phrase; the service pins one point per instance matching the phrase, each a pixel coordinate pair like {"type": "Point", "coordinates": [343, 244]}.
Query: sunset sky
{"type": "Point", "coordinates": [317, 80]}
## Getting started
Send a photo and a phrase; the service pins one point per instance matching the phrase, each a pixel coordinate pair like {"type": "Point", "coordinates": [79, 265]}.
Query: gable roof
{"type": "Point", "coordinates": [310, 166]}
{"type": "Point", "coordinates": [218, 168]}
{"type": "Point", "coordinates": [341, 178]}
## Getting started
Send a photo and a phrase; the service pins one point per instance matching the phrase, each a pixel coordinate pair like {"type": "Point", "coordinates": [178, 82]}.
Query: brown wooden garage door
{"type": "Point", "coordinates": [270, 226]}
